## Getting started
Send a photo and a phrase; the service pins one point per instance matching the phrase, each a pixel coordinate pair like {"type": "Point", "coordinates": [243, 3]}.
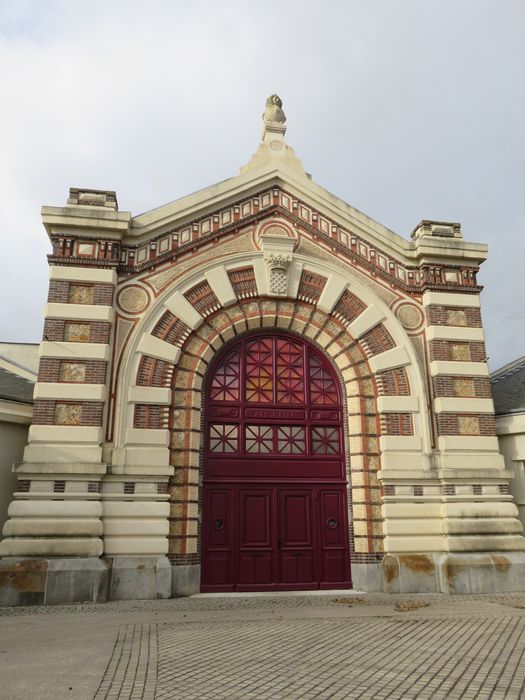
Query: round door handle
{"type": "Point", "coordinates": [218, 524]}
{"type": "Point", "coordinates": [332, 523]}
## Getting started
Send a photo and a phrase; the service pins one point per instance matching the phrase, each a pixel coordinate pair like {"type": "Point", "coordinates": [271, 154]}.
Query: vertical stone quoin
{"type": "Point", "coordinates": [114, 499]}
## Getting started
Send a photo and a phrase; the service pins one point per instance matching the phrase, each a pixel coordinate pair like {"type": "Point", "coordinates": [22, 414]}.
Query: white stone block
{"type": "Point", "coordinates": [152, 456]}
{"type": "Point", "coordinates": [63, 453]}
{"type": "Point", "coordinates": [135, 546]}
{"type": "Point", "coordinates": [135, 509]}
{"type": "Point", "coordinates": [261, 279]}
{"type": "Point", "coordinates": [182, 309]}
{"type": "Point", "coordinates": [160, 349]}
{"type": "Point", "coordinates": [397, 404]}
{"type": "Point", "coordinates": [82, 274]}
{"type": "Point", "coordinates": [471, 301]}
{"type": "Point", "coordinates": [52, 527]}
{"type": "Point", "coordinates": [295, 272]}
{"type": "Point", "coordinates": [401, 460]}
{"type": "Point", "coordinates": [460, 460]}
{"type": "Point", "coordinates": [219, 281]}
{"type": "Point", "coordinates": [413, 527]}
{"type": "Point", "coordinates": [463, 405]}
{"type": "Point", "coordinates": [79, 434]}
{"type": "Point", "coordinates": [136, 528]}
{"type": "Point", "coordinates": [74, 351]}
{"type": "Point", "coordinates": [67, 391]}
{"type": "Point", "coordinates": [366, 320]}
{"type": "Point", "coordinates": [467, 443]}
{"type": "Point", "coordinates": [137, 436]}
{"type": "Point", "coordinates": [480, 509]}
{"type": "Point", "coordinates": [333, 289]}
{"type": "Point", "coordinates": [149, 394]}
{"type": "Point", "coordinates": [421, 543]}
{"type": "Point", "coordinates": [51, 547]}
{"type": "Point", "coordinates": [390, 359]}
{"type": "Point", "coordinates": [400, 443]}
{"type": "Point", "coordinates": [455, 333]}
{"type": "Point", "coordinates": [467, 369]}
{"type": "Point", "coordinates": [411, 510]}
{"type": "Point", "coordinates": [55, 509]}
{"type": "Point", "coordinates": [80, 312]}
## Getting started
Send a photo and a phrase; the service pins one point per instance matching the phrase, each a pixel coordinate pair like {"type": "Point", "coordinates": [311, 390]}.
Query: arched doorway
{"type": "Point", "coordinates": [275, 493]}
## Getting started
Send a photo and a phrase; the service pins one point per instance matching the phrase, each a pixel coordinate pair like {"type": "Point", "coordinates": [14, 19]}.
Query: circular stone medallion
{"type": "Point", "coordinates": [409, 316]}
{"type": "Point", "coordinates": [133, 299]}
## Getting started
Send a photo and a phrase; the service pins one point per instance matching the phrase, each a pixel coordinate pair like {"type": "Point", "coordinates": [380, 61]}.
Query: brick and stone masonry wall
{"type": "Point", "coordinates": [458, 351]}
{"type": "Point", "coordinates": [76, 332]}
{"type": "Point", "coordinates": [74, 293]}
{"type": "Point", "coordinates": [462, 387]}
{"type": "Point", "coordinates": [453, 316]}
{"type": "Point", "coordinates": [81, 371]}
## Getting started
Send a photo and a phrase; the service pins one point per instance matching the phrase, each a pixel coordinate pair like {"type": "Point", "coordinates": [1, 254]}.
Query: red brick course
{"type": "Point", "coordinates": [90, 412]}
{"type": "Point", "coordinates": [49, 370]}
{"type": "Point", "coordinates": [59, 292]}
{"type": "Point", "coordinates": [393, 382]}
{"type": "Point", "coordinates": [377, 340]}
{"type": "Point", "coordinates": [154, 372]}
{"type": "Point", "coordinates": [437, 316]}
{"type": "Point", "coordinates": [397, 424]}
{"type": "Point", "coordinates": [54, 330]}
{"type": "Point", "coordinates": [443, 350]}
{"type": "Point", "coordinates": [171, 329]}
{"type": "Point", "coordinates": [448, 424]}
{"type": "Point", "coordinates": [444, 386]}
{"type": "Point", "coordinates": [151, 416]}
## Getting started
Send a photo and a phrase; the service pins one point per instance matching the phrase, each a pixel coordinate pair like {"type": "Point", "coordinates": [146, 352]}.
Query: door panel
{"type": "Point", "coordinates": [296, 539]}
{"type": "Point", "coordinates": [333, 527]}
{"type": "Point", "coordinates": [218, 555]}
{"type": "Point", "coordinates": [256, 554]}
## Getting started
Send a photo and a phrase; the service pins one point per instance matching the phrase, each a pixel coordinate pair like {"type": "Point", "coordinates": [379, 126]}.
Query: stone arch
{"type": "Point", "coordinates": [188, 400]}
{"type": "Point", "coordinates": [160, 388]}
{"type": "Point", "coordinates": [350, 302]}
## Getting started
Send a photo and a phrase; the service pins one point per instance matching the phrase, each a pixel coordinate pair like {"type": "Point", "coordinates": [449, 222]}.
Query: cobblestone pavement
{"type": "Point", "coordinates": [273, 647]}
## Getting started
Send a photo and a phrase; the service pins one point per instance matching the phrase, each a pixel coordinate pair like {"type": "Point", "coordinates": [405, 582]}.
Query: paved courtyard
{"type": "Point", "coordinates": [257, 647]}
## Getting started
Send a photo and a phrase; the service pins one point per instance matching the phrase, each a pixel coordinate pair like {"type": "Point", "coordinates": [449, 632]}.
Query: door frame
{"type": "Point", "coordinates": [313, 483]}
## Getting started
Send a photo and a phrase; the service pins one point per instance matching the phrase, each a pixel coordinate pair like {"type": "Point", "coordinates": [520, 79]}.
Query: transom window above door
{"type": "Point", "coordinates": [273, 395]}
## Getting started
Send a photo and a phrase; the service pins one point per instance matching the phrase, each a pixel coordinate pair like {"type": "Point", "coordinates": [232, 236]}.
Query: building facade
{"type": "Point", "coordinates": [508, 390]}
{"type": "Point", "coordinates": [18, 374]}
{"type": "Point", "coordinates": [257, 387]}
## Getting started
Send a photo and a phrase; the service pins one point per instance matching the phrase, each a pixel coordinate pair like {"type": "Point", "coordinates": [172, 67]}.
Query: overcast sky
{"type": "Point", "coordinates": [406, 109]}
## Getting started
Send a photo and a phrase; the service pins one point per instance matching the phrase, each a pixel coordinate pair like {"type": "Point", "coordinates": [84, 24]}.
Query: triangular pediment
{"type": "Point", "coordinates": [212, 200]}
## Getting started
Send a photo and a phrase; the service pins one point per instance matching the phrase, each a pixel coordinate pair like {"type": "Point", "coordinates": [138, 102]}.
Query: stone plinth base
{"type": "Point", "coordinates": [484, 572]}
{"type": "Point", "coordinates": [139, 578]}
{"type": "Point", "coordinates": [186, 580]}
{"type": "Point", "coordinates": [53, 581]}
{"type": "Point", "coordinates": [82, 580]}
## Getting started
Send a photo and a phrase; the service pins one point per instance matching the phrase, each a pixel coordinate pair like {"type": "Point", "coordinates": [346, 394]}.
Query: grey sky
{"type": "Point", "coordinates": [406, 109]}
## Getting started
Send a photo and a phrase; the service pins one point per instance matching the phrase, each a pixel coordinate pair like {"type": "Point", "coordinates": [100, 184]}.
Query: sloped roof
{"type": "Point", "coordinates": [14, 388]}
{"type": "Point", "coordinates": [508, 387]}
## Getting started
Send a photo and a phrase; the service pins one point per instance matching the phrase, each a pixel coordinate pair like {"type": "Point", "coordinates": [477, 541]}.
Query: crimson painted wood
{"type": "Point", "coordinates": [275, 497]}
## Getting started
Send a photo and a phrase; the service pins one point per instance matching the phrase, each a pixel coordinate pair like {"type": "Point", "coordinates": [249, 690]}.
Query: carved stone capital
{"type": "Point", "coordinates": [278, 262]}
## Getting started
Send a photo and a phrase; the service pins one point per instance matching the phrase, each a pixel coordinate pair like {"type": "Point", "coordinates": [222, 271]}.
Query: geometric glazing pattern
{"type": "Point", "coordinates": [223, 438]}
{"type": "Point", "coordinates": [325, 440]}
{"type": "Point", "coordinates": [259, 439]}
{"type": "Point", "coordinates": [259, 371]}
{"type": "Point", "coordinates": [291, 440]}
{"type": "Point", "coordinates": [290, 372]}
{"type": "Point", "coordinates": [226, 379]}
{"type": "Point", "coordinates": [322, 387]}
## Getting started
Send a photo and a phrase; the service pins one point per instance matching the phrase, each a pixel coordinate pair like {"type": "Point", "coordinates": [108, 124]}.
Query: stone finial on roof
{"type": "Point", "coordinates": [273, 151]}
{"type": "Point", "coordinates": [273, 112]}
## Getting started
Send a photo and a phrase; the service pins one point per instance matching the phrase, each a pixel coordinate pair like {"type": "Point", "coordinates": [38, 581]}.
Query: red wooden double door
{"type": "Point", "coordinates": [275, 494]}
